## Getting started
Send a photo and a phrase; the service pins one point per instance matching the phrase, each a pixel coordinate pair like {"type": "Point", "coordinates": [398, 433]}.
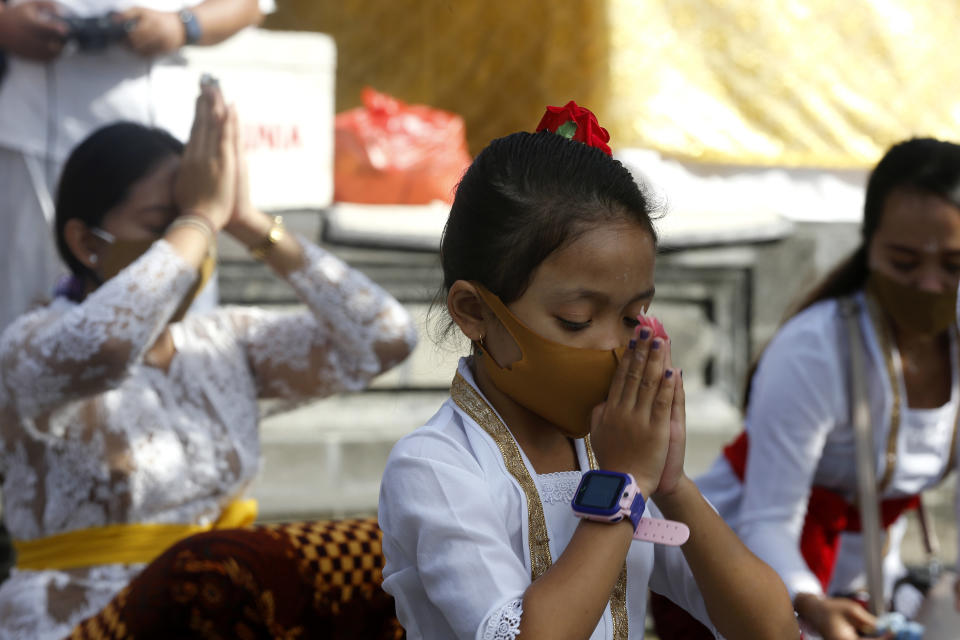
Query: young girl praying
{"type": "Point", "coordinates": [525, 506]}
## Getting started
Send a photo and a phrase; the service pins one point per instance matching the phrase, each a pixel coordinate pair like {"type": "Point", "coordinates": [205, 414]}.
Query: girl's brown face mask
{"type": "Point", "coordinates": [558, 383]}
{"type": "Point", "coordinates": [911, 309]}
{"type": "Point", "coordinates": [122, 253]}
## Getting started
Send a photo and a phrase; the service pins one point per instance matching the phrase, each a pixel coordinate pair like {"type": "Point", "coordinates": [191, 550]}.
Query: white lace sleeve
{"type": "Point", "coordinates": [351, 331]}
{"type": "Point", "coordinates": [67, 351]}
{"type": "Point", "coordinates": [504, 624]}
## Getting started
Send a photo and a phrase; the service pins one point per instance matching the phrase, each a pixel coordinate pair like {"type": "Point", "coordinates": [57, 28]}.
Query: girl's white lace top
{"type": "Point", "coordinates": [90, 435]}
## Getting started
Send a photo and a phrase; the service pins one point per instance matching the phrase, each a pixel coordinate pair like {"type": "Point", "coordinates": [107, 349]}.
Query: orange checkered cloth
{"type": "Point", "coordinates": [299, 580]}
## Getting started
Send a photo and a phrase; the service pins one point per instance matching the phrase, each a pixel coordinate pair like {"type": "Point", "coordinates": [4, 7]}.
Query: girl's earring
{"type": "Point", "coordinates": [93, 258]}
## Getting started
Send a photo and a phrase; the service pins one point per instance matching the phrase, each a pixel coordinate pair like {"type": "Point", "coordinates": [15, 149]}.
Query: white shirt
{"type": "Point", "coordinates": [457, 541]}
{"type": "Point", "coordinates": [90, 435]}
{"type": "Point", "coordinates": [46, 109]}
{"type": "Point", "coordinates": [801, 435]}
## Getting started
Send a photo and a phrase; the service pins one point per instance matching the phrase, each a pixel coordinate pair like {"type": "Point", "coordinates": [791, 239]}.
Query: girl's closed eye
{"type": "Point", "coordinates": [904, 266]}
{"type": "Point", "coordinates": [572, 325]}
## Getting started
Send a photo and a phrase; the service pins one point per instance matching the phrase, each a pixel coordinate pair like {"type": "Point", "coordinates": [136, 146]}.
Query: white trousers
{"type": "Point", "coordinates": [30, 265]}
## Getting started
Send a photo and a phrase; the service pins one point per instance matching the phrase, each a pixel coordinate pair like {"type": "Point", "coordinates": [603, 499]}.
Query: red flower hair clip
{"type": "Point", "coordinates": [578, 123]}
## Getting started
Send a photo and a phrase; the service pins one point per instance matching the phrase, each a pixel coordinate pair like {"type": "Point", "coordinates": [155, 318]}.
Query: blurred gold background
{"type": "Point", "coordinates": [814, 83]}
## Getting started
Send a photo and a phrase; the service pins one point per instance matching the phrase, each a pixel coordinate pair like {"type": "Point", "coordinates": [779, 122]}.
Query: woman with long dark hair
{"type": "Point", "coordinates": [126, 426]}
{"type": "Point", "coordinates": [788, 484]}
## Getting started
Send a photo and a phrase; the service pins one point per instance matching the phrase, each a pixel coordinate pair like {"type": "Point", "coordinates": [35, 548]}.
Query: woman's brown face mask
{"type": "Point", "coordinates": [912, 309]}
{"type": "Point", "coordinates": [122, 253]}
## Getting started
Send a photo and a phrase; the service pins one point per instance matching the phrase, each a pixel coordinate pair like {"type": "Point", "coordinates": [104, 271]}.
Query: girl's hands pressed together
{"type": "Point", "coordinates": [676, 450]}
{"type": "Point", "coordinates": [631, 431]}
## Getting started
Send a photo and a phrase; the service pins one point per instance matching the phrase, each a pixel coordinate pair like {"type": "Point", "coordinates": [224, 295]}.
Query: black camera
{"type": "Point", "coordinates": [96, 32]}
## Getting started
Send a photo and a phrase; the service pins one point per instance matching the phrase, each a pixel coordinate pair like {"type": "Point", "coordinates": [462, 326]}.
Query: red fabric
{"type": "Point", "coordinates": [672, 622]}
{"type": "Point", "coordinates": [828, 515]}
{"type": "Point", "coordinates": [736, 455]}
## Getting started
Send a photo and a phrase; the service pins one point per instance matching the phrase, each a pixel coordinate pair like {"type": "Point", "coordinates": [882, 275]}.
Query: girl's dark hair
{"type": "Point", "coordinates": [99, 173]}
{"type": "Point", "coordinates": [925, 165]}
{"type": "Point", "coordinates": [525, 196]}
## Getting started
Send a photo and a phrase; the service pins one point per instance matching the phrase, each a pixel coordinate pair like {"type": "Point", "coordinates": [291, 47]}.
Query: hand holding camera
{"type": "Point", "coordinates": [96, 33]}
{"type": "Point", "coordinates": [32, 30]}
{"type": "Point", "coordinates": [38, 30]}
{"type": "Point", "coordinates": [153, 33]}
{"type": "Point", "coordinates": [147, 32]}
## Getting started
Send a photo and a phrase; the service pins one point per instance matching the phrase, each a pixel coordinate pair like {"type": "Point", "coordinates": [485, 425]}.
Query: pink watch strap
{"type": "Point", "coordinates": [661, 531]}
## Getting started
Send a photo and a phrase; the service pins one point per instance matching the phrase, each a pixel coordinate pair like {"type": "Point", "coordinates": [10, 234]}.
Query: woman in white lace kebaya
{"type": "Point", "coordinates": [123, 429]}
{"type": "Point", "coordinates": [548, 259]}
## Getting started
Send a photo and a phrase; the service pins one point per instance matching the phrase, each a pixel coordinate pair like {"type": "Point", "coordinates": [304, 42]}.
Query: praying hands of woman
{"type": "Point", "coordinates": [213, 184]}
{"type": "Point", "coordinates": [207, 181]}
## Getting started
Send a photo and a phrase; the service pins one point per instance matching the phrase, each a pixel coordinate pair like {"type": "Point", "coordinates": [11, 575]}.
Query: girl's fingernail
{"type": "Point", "coordinates": [644, 333]}
{"type": "Point", "coordinates": [632, 344]}
{"type": "Point", "coordinates": [668, 374]}
{"type": "Point", "coordinates": [656, 344]}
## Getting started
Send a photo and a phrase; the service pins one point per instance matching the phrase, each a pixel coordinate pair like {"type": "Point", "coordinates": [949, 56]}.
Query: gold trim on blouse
{"type": "Point", "coordinates": [476, 406]}
{"type": "Point", "coordinates": [952, 459]}
{"type": "Point", "coordinates": [894, 369]}
{"type": "Point", "coordinates": [894, 373]}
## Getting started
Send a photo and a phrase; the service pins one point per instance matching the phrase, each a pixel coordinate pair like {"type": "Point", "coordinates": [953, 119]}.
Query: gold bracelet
{"type": "Point", "coordinates": [274, 235]}
{"type": "Point", "coordinates": [197, 222]}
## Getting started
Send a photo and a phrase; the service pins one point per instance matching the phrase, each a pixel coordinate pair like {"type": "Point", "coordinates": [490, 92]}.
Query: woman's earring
{"type": "Point", "coordinates": [93, 258]}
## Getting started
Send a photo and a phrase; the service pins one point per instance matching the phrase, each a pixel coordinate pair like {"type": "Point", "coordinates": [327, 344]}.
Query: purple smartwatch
{"type": "Point", "coordinates": [609, 496]}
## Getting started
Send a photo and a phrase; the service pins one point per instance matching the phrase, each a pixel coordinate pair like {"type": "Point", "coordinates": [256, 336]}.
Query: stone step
{"type": "Point", "coordinates": [325, 459]}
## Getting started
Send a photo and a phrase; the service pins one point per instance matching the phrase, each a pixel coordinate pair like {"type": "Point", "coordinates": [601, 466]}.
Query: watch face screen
{"type": "Point", "coordinates": [600, 491]}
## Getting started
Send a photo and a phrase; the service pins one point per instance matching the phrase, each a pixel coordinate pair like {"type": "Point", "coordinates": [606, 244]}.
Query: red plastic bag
{"type": "Point", "coordinates": [390, 152]}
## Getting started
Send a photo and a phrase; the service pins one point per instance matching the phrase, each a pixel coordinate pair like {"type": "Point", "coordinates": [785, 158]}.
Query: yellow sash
{"type": "Point", "coordinates": [121, 543]}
